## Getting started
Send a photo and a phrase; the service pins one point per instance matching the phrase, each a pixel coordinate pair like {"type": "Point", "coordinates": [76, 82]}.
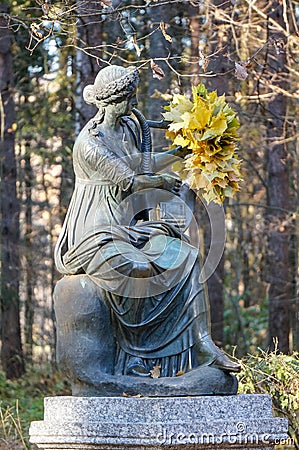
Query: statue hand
{"type": "Point", "coordinates": [171, 183]}
{"type": "Point", "coordinates": [162, 181]}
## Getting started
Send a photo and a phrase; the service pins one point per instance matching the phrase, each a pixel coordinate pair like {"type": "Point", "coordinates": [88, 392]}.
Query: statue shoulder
{"type": "Point", "coordinates": [88, 147]}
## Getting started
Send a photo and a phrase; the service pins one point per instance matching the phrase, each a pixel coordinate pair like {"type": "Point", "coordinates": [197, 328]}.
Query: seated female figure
{"type": "Point", "coordinates": [132, 298]}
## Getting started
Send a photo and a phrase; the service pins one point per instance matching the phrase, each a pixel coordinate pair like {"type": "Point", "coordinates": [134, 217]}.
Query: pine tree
{"type": "Point", "coordinates": [11, 350]}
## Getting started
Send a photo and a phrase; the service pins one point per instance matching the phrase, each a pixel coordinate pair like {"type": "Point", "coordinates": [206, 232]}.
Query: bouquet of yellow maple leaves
{"type": "Point", "coordinates": [206, 129]}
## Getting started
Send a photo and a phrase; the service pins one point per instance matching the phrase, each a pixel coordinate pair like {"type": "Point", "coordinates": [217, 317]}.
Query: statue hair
{"type": "Point", "coordinates": [112, 85]}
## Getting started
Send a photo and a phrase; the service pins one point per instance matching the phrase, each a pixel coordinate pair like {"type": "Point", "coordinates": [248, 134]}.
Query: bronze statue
{"type": "Point", "coordinates": [131, 301]}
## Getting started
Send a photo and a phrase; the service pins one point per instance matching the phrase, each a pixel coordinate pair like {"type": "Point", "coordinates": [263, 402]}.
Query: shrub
{"type": "Point", "coordinates": [277, 375]}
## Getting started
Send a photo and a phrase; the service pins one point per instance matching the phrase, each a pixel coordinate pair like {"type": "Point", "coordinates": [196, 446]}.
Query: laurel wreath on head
{"type": "Point", "coordinates": [206, 129]}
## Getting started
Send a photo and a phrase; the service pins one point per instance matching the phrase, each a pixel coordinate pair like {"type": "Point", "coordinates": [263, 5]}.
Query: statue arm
{"type": "Point", "coordinates": [99, 159]}
{"type": "Point", "coordinates": [105, 163]}
{"type": "Point", "coordinates": [164, 160]}
{"type": "Point", "coordinates": [161, 181]}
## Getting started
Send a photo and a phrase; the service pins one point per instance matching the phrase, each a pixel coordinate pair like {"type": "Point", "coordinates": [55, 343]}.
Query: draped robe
{"type": "Point", "coordinates": [146, 271]}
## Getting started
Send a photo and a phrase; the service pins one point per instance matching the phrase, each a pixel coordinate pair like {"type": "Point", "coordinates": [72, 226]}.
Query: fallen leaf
{"type": "Point", "coordinates": [156, 371]}
{"type": "Point", "coordinates": [36, 30]}
{"type": "Point", "coordinates": [124, 394]}
{"type": "Point", "coordinates": [106, 3]}
{"type": "Point", "coordinates": [45, 4]}
{"type": "Point", "coordinates": [204, 61]}
{"type": "Point", "coordinates": [158, 94]}
{"type": "Point", "coordinates": [157, 71]}
{"type": "Point", "coordinates": [238, 96]}
{"type": "Point", "coordinates": [135, 45]}
{"type": "Point", "coordinates": [13, 128]}
{"type": "Point", "coordinates": [163, 29]}
{"type": "Point", "coordinates": [240, 71]}
{"type": "Point", "coordinates": [278, 43]}
{"type": "Point", "coordinates": [46, 8]}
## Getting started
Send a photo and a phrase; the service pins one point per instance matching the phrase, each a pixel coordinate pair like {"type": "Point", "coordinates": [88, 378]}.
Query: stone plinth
{"type": "Point", "coordinates": [118, 423]}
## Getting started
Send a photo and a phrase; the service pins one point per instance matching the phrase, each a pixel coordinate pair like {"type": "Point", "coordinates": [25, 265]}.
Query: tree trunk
{"type": "Point", "coordinates": [29, 306]}
{"type": "Point", "coordinates": [194, 48]}
{"type": "Point", "coordinates": [278, 199]}
{"type": "Point", "coordinates": [219, 41]}
{"type": "Point", "coordinates": [158, 49]}
{"type": "Point", "coordinates": [88, 59]}
{"type": "Point", "coordinates": [11, 351]}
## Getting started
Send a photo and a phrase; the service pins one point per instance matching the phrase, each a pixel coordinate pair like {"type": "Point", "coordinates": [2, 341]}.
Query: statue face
{"type": "Point", "coordinates": [124, 108]}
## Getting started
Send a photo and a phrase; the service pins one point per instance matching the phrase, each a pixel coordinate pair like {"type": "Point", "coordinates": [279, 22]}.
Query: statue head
{"type": "Point", "coordinates": [112, 85]}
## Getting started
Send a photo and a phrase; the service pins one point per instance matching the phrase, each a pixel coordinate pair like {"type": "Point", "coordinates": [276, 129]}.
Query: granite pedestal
{"type": "Point", "coordinates": [118, 423]}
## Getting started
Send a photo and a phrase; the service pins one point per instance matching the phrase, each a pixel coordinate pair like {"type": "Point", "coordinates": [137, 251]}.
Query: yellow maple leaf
{"type": "Point", "coordinates": [199, 181]}
{"type": "Point", "coordinates": [217, 126]}
{"type": "Point", "coordinates": [181, 140]}
{"type": "Point", "coordinates": [201, 114]}
{"type": "Point", "coordinates": [210, 195]}
{"type": "Point", "coordinates": [211, 166]}
{"type": "Point", "coordinates": [176, 126]}
{"type": "Point", "coordinates": [179, 167]}
{"type": "Point", "coordinates": [222, 183]}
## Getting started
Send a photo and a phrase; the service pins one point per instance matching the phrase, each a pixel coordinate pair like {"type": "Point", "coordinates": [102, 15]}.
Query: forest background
{"type": "Point", "coordinates": [246, 49]}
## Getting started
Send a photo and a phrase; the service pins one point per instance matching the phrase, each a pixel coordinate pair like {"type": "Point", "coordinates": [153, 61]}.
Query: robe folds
{"type": "Point", "coordinates": [146, 271]}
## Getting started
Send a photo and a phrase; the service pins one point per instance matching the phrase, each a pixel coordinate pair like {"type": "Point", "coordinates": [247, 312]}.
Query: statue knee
{"type": "Point", "coordinates": [141, 270]}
